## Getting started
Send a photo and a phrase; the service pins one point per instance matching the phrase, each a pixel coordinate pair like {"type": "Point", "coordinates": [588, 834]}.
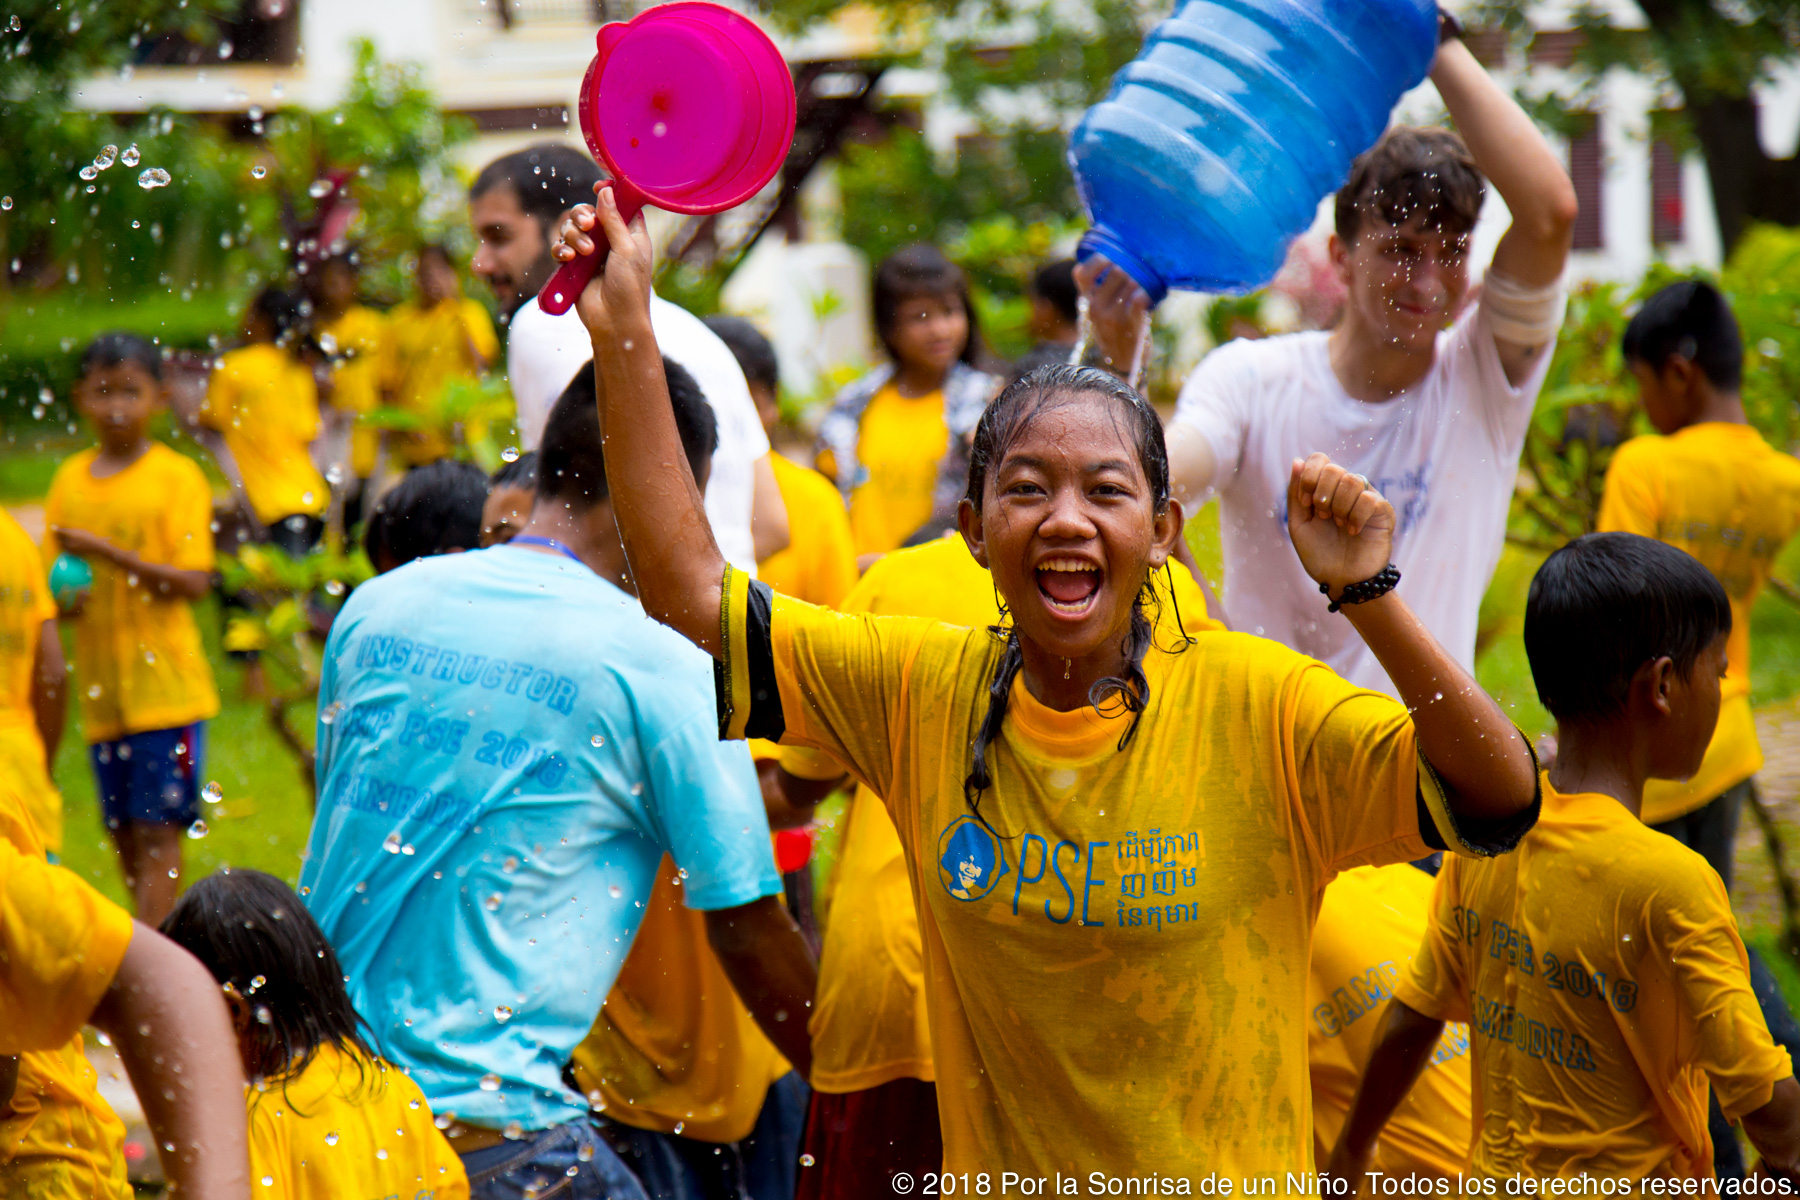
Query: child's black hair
{"type": "Point", "coordinates": [571, 463]}
{"type": "Point", "coordinates": [921, 269]}
{"type": "Point", "coordinates": [283, 311]}
{"type": "Point", "coordinates": [1606, 604]}
{"type": "Point", "coordinates": [755, 356]}
{"type": "Point", "coordinates": [436, 509]}
{"type": "Point", "coordinates": [1055, 282]}
{"type": "Point", "coordinates": [118, 347]}
{"type": "Point", "coordinates": [521, 472]}
{"type": "Point", "coordinates": [251, 931]}
{"type": "Point", "coordinates": [1693, 320]}
{"type": "Point", "coordinates": [1000, 427]}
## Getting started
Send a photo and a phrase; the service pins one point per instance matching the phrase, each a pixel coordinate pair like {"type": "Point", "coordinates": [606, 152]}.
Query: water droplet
{"type": "Point", "coordinates": [107, 157]}
{"type": "Point", "coordinates": [597, 741]}
{"type": "Point", "coordinates": [407, 849]}
{"type": "Point", "coordinates": [680, 1125]}
{"type": "Point", "coordinates": [659, 129]}
{"type": "Point", "coordinates": [334, 474]}
{"type": "Point", "coordinates": [510, 454]}
{"type": "Point", "coordinates": [381, 1154]}
{"type": "Point", "coordinates": [585, 1152]}
{"type": "Point", "coordinates": [331, 712]}
{"type": "Point", "coordinates": [212, 793]}
{"type": "Point", "coordinates": [130, 157]}
{"type": "Point", "coordinates": [490, 1082]}
{"type": "Point", "coordinates": [334, 587]}
{"type": "Point", "coordinates": [510, 865]}
{"type": "Point", "coordinates": [257, 981]}
{"type": "Point", "coordinates": [258, 171]}
{"type": "Point", "coordinates": [6, 203]}
{"type": "Point", "coordinates": [104, 1038]}
{"type": "Point", "coordinates": [492, 903]}
{"type": "Point", "coordinates": [320, 189]}
{"type": "Point", "coordinates": [444, 1120]}
{"type": "Point", "coordinates": [637, 789]}
{"type": "Point", "coordinates": [90, 171]}
{"type": "Point", "coordinates": [502, 1013]}
{"type": "Point", "coordinates": [807, 1160]}
{"type": "Point", "coordinates": [1437, 696]}
{"type": "Point", "coordinates": [268, 1181]}
{"type": "Point", "coordinates": [151, 178]}
{"type": "Point", "coordinates": [264, 1016]}
{"type": "Point", "coordinates": [614, 890]}
{"type": "Point", "coordinates": [197, 830]}
{"type": "Point", "coordinates": [513, 1131]}
{"type": "Point", "coordinates": [331, 1139]}
{"type": "Point", "coordinates": [413, 1104]}
{"type": "Point", "coordinates": [572, 1172]}
{"type": "Point", "coordinates": [391, 843]}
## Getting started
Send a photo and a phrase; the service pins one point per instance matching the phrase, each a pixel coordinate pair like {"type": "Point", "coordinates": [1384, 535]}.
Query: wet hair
{"type": "Point", "coordinates": [571, 466]}
{"type": "Point", "coordinates": [521, 472]}
{"type": "Point", "coordinates": [283, 310]}
{"type": "Point", "coordinates": [117, 348]}
{"type": "Point", "coordinates": [1412, 174]}
{"type": "Point", "coordinates": [1606, 604]}
{"type": "Point", "coordinates": [1690, 319]}
{"type": "Point", "coordinates": [999, 429]}
{"type": "Point", "coordinates": [1055, 282]}
{"type": "Point", "coordinates": [755, 356]}
{"type": "Point", "coordinates": [436, 509]}
{"type": "Point", "coordinates": [920, 270]}
{"type": "Point", "coordinates": [549, 179]}
{"type": "Point", "coordinates": [251, 931]}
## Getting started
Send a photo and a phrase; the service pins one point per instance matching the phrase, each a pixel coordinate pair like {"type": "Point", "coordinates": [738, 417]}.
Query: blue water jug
{"type": "Point", "coordinates": [1216, 143]}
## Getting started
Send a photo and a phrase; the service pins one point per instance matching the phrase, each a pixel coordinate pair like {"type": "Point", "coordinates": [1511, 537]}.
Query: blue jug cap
{"type": "Point", "coordinates": [1099, 240]}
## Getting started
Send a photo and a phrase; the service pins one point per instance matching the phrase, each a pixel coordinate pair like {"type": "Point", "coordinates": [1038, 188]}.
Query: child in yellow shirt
{"type": "Point", "coordinates": [894, 440]}
{"type": "Point", "coordinates": [141, 516]}
{"type": "Point", "coordinates": [328, 1117]}
{"type": "Point", "coordinates": [69, 957]}
{"type": "Point", "coordinates": [263, 402]}
{"type": "Point", "coordinates": [351, 335]}
{"type": "Point", "coordinates": [1709, 484]}
{"type": "Point", "coordinates": [1599, 967]}
{"type": "Point", "coordinates": [32, 704]}
{"type": "Point", "coordinates": [439, 337]}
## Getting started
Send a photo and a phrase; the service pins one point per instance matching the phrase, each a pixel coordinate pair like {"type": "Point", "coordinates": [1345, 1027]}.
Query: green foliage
{"type": "Point", "coordinates": [1762, 280]}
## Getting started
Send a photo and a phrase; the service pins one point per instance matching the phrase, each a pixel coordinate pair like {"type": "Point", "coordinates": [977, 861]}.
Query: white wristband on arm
{"type": "Point", "coordinates": [1523, 315]}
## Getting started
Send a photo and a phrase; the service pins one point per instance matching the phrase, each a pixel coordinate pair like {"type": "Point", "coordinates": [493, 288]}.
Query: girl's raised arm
{"type": "Point", "coordinates": [676, 563]}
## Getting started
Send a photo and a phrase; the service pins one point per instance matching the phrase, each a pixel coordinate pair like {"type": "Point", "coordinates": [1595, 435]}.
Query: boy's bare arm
{"type": "Point", "coordinates": [772, 970]}
{"type": "Point", "coordinates": [168, 1018]}
{"type": "Point", "coordinates": [1774, 1129]}
{"type": "Point", "coordinates": [48, 705]}
{"type": "Point", "coordinates": [1402, 1052]}
{"type": "Point", "coordinates": [161, 578]}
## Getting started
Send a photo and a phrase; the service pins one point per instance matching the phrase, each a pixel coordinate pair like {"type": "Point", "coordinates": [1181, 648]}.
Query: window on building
{"type": "Point", "coordinates": [1666, 210]}
{"type": "Point", "coordinates": [1587, 170]}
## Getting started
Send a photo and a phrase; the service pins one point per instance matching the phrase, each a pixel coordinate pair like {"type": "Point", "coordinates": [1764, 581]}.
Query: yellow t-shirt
{"type": "Point", "coordinates": [900, 443]}
{"type": "Point", "coordinates": [25, 605]}
{"type": "Point", "coordinates": [1601, 973]}
{"type": "Point", "coordinates": [348, 1128]}
{"type": "Point", "coordinates": [1368, 927]}
{"type": "Point", "coordinates": [1116, 982]}
{"type": "Point", "coordinates": [1721, 493]}
{"type": "Point", "coordinates": [356, 338]}
{"type": "Point", "coordinates": [819, 563]}
{"type": "Point", "coordinates": [868, 1025]}
{"type": "Point", "coordinates": [139, 664]}
{"type": "Point", "coordinates": [427, 347]}
{"type": "Point", "coordinates": [265, 404]}
{"type": "Point", "coordinates": [58, 1139]}
{"type": "Point", "coordinates": [673, 1048]}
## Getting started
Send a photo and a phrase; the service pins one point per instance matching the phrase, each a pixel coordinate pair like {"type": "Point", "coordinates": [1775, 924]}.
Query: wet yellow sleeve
{"type": "Point", "coordinates": [1435, 983]}
{"type": "Point", "coordinates": [61, 943]}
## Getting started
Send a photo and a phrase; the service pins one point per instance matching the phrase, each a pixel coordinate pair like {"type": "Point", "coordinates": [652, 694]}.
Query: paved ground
{"type": "Point", "coordinates": [1756, 899]}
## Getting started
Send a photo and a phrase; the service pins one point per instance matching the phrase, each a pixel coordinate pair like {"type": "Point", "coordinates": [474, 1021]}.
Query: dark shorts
{"type": "Point", "coordinates": [151, 777]}
{"type": "Point", "coordinates": [568, 1162]}
{"type": "Point", "coordinates": [856, 1142]}
{"type": "Point", "coordinates": [760, 1167]}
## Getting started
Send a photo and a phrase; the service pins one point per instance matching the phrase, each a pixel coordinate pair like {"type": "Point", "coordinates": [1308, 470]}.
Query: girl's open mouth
{"type": "Point", "coordinates": [1069, 584]}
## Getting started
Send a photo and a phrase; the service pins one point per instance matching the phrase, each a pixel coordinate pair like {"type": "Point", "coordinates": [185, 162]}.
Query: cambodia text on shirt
{"type": "Point", "coordinates": [1605, 986]}
{"type": "Point", "coordinates": [507, 748]}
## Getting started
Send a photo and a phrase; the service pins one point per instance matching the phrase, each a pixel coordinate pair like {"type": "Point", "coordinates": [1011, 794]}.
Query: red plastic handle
{"type": "Point", "coordinates": [565, 287]}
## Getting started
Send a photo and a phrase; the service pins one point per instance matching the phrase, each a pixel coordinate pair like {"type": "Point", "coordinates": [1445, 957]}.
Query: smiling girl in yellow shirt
{"type": "Point", "coordinates": [1094, 1003]}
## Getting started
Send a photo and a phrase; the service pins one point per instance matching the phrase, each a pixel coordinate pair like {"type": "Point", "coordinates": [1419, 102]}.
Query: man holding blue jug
{"type": "Point", "coordinates": [1422, 387]}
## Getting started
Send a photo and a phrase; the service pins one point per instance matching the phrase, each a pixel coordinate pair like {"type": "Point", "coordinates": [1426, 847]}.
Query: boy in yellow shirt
{"type": "Point", "coordinates": [352, 336]}
{"type": "Point", "coordinates": [439, 337]}
{"type": "Point", "coordinates": [1599, 967]}
{"type": "Point", "coordinates": [68, 957]}
{"type": "Point", "coordinates": [263, 403]}
{"type": "Point", "coordinates": [1709, 484]}
{"type": "Point", "coordinates": [31, 682]}
{"type": "Point", "coordinates": [141, 516]}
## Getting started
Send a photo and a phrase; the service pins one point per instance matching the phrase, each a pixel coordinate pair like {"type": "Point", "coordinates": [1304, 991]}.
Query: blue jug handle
{"type": "Point", "coordinates": [1099, 240]}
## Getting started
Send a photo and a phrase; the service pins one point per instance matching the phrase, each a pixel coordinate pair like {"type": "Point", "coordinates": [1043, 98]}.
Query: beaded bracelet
{"type": "Point", "coordinates": [1378, 584]}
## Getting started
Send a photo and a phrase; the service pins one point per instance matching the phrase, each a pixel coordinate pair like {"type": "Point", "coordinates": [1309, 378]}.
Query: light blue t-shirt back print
{"type": "Point", "coordinates": [507, 747]}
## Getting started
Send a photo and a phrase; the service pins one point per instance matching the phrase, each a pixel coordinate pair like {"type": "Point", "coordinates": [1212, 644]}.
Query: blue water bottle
{"type": "Point", "coordinates": [1216, 143]}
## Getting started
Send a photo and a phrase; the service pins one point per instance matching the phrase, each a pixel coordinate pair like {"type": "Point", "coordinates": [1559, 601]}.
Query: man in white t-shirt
{"type": "Point", "coordinates": [515, 205]}
{"type": "Point", "coordinates": [1427, 396]}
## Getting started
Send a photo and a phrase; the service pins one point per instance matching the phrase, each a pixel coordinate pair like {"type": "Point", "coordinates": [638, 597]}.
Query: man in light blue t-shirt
{"type": "Point", "coordinates": [507, 747]}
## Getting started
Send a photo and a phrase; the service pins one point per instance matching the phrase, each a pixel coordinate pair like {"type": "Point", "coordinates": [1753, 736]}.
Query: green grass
{"type": "Point", "coordinates": [261, 822]}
